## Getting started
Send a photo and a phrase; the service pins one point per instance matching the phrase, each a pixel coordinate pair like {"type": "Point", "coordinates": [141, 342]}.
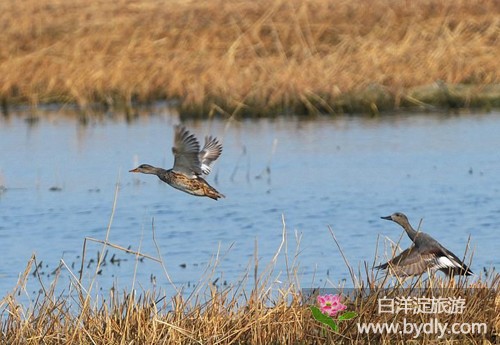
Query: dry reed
{"type": "Point", "coordinates": [251, 57]}
{"type": "Point", "coordinates": [269, 312]}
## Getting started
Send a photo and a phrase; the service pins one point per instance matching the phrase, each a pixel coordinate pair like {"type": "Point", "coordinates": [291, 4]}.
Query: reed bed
{"type": "Point", "coordinates": [253, 58]}
{"type": "Point", "coordinates": [258, 309]}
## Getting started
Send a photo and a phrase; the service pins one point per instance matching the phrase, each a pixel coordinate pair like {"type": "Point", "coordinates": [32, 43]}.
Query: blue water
{"type": "Point", "coordinates": [60, 178]}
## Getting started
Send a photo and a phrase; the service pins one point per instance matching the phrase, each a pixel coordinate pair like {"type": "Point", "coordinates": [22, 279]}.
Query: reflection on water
{"type": "Point", "coordinates": [344, 172]}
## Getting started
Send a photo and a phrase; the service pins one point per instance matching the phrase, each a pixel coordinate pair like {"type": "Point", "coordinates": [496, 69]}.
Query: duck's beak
{"type": "Point", "coordinates": [387, 218]}
{"type": "Point", "coordinates": [136, 170]}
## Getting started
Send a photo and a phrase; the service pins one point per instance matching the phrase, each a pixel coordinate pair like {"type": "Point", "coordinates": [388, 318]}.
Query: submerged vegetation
{"type": "Point", "coordinates": [253, 58]}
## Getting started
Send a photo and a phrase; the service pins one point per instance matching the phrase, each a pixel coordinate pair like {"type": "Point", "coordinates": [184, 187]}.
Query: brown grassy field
{"type": "Point", "coordinates": [251, 57]}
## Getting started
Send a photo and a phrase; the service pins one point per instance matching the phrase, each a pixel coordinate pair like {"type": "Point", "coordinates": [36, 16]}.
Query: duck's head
{"type": "Point", "coordinates": [145, 169]}
{"type": "Point", "coordinates": [397, 217]}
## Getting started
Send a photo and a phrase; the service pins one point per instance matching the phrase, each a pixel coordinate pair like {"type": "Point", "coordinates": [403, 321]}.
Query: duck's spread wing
{"type": "Point", "coordinates": [210, 152]}
{"type": "Point", "coordinates": [410, 262]}
{"type": "Point", "coordinates": [186, 150]}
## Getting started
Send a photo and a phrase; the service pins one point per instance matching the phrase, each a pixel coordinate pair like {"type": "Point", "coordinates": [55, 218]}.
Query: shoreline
{"type": "Point", "coordinates": [374, 100]}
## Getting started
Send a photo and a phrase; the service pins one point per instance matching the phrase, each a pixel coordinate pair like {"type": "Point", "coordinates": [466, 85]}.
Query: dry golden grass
{"type": "Point", "coordinates": [264, 315]}
{"type": "Point", "coordinates": [265, 307]}
{"type": "Point", "coordinates": [248, 57]}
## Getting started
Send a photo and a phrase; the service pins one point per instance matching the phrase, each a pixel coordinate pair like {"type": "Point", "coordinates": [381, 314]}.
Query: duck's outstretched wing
{"type": "Point", "coordinates": [410, 262]}
{"type": "Point", "coordinates": [186, 152]}
{"type": "Point", "coordinates": [415, 262]}
{"type": "Point", "coordinates": [210, 152]}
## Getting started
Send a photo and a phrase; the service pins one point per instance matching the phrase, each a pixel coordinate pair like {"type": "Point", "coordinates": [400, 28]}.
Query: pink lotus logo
{"type": "Point", "coordinates": [329, 307]}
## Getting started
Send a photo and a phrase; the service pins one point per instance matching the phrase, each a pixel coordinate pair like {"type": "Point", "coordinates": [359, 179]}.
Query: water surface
{"type": "Point", "coordinates": [345, 172]}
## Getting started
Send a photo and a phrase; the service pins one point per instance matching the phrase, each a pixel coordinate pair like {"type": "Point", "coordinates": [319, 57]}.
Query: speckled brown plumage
{"type": "Point", "coordinates": [190, 164]}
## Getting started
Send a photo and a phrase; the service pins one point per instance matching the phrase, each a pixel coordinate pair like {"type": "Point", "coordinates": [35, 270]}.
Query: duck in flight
{"type": "Point", "coordinates": [190, 164]}
{"type": "Point", "coordinates": [426, 254]}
